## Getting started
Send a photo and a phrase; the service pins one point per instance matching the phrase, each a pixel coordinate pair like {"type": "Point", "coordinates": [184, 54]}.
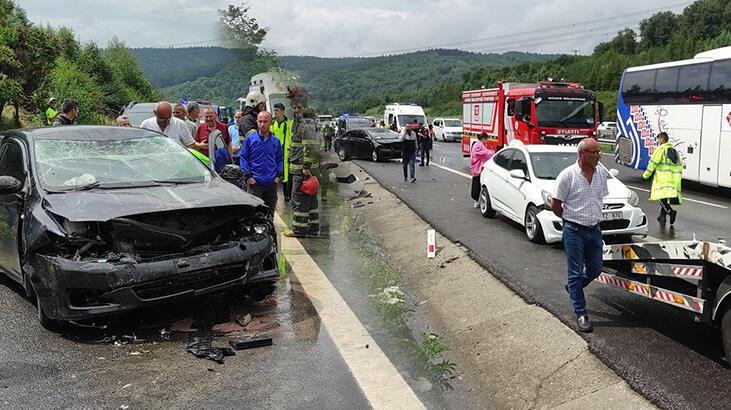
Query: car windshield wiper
{"type": "Point", "coordinates": [181, 181]}
{"type": "Point", "coordinates": [85, 187]}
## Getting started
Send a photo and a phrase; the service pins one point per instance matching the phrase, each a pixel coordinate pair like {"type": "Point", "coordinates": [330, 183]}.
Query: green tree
{"type": "Point", "coordinates": [658, 30]}
{"type": "Point", "coordinates": [243, 31]}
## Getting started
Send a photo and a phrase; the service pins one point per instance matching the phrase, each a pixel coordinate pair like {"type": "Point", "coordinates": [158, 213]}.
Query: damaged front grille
{"type": "Point", "coordinates": [189, 281]}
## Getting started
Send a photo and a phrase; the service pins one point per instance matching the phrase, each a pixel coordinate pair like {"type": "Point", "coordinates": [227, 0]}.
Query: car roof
{"type": "Point", "coordinates": [84, 133]}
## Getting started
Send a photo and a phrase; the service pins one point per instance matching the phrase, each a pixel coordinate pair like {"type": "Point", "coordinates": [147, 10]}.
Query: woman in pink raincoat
{"type": "Point", "coordinates": [479, 154]}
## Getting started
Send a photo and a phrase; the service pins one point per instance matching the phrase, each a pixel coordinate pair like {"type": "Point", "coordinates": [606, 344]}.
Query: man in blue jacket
{"type": "Point", "coordinates": [262, 161]}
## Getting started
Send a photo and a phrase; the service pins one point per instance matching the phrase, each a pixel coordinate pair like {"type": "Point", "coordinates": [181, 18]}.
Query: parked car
{"type": "Point", "coordinates": [375, 144]}
{"type": "Point", "coordinates": [607, 130]}
{"type": "Point", "coordinates": [102, 220]}
{"type": "Point", "coordinates": [138, 112]}
{"type": "Point", "coordinates": [519, 182]}
{"type": "Point", "coordinates": [447, 129]}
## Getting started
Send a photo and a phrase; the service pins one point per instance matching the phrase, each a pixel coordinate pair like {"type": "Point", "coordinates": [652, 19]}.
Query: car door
{"type": "Point", "coordinates": [344, 142]}
{"type": "Point", "coordinates": [516, 188]}
{"type": "Point", "coordinates": [497, 181]}
{"type": "Point", "coordinates": [361, 145]}
{"type": "Point", "coordinates": [12, 163]}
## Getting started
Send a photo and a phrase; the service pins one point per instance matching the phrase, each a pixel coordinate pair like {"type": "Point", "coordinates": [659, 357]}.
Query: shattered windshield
{"type": "Point", "coordinates": [382, 133]}
{"type": "Point", "coordinates": [566, 113]}
{"type": "Point", "coordinates": [64, 165]}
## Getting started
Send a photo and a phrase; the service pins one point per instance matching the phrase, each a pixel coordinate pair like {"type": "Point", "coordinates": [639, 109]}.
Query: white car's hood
{"type": "Point", "coordinates": [617, 190]}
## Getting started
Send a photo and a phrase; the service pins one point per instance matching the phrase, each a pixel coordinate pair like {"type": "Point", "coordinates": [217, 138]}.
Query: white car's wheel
{"type": "Point", "coordinates": [485, 204]}
{"type": "Point", "coordinates": [533, 228]}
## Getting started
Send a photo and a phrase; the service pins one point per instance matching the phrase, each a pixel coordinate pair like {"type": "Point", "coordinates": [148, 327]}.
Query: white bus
{"type": "Point", "coordinates": [688, 99]}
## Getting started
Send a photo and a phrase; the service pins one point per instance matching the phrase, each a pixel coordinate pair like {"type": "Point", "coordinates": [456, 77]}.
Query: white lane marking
{"type": "Point", "coordinates": [684, 198]}
{"type": "Point", "coordinates": [454, 171]}
{"type": "Point", "coordinates": [377, 377]}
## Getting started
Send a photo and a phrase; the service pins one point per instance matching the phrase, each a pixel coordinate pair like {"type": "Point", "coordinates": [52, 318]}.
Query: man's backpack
{"type": "Point", "coordinates": [672, 156]}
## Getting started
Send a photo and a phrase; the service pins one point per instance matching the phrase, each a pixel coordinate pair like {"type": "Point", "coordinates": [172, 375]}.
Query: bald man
{"type": "Point", "coordinates": [580, 192]}
{"type": "Point", "coordinates": [164, 123]}
{"type": "Point", "coordinates": [262, 161]}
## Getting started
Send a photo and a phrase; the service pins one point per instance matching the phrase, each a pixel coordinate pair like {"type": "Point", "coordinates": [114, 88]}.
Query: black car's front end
{"type": "Point", "coordinates": [388, 149]}
{"type": "Point", "coordinates": [94, 269]}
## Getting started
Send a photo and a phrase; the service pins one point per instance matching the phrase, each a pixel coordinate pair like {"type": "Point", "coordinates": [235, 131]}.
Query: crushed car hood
{"type": "Point", "coordinates": [104, 204]}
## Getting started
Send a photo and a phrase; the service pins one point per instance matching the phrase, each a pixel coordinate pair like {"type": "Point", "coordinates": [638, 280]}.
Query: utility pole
{"type": "Point", "coordinates": [576, 52]}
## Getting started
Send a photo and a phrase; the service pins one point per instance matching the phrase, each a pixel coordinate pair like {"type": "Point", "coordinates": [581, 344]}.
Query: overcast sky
{"type": "Point", "coordinates": [352, 28]}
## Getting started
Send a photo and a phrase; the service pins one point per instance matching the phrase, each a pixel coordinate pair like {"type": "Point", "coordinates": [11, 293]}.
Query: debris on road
{"type": "Point", "coordinates": [243, 321]}
{"type": "Point", "coordinates": [165, 334]}
{"type": "Point", "coordinates": [241, 344]}
{"type": "Point", "coordinates": [200, 347]}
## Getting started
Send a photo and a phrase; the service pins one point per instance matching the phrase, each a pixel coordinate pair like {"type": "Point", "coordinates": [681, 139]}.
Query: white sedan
{"type": "Point", "coordinates": [519, 182]}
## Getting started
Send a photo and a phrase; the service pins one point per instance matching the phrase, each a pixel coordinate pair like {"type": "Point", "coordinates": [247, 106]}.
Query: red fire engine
{"type": "Point", "coordinates": [543, 113]}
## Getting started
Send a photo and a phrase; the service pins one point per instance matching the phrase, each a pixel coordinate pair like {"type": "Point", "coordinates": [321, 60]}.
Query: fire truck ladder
{"type": "Point", "coordinates": [647, 269]}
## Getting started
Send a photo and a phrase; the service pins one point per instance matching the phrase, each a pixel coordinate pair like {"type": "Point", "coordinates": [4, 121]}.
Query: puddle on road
{"type": "Point", "coordinates": [359, 269]}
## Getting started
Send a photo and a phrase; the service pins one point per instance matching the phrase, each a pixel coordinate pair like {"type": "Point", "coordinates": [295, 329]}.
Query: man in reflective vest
{"type": "Point", "coordinates": [304, 162]}
{"type": "Point", "coordinates": [282, 128]}
{"type": "Point", "coordinates": [666, 170]}
{"type": "Point", "coordinates": [51, 112]}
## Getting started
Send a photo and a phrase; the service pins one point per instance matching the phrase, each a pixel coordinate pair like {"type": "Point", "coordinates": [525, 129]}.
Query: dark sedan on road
{"type": "Point", "coordinates": [95, 221]}
{"type": "Point", "coordinates": [375, 144]}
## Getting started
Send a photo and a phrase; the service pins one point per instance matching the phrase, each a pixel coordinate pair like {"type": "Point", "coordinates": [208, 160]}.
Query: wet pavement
{"type": "Point", "coordinates": [140, 361]}
{"type": "Point", "coordinates": [659, 350]}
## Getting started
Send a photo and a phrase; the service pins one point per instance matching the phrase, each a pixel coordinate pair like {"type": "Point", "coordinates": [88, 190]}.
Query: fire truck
{"type": "Point", "coordinates": [544, 113]}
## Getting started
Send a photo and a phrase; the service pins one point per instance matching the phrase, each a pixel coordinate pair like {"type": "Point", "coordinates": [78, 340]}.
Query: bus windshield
{"type": "Point", "coordinates": [565, 113]}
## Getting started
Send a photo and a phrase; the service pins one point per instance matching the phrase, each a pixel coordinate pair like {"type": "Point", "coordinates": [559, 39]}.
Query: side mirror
{"type": "Point", "coordinates": [601, 112]}
{"type": "Point", "coordinates": [10, 185]}
{"type": "Point", "coordinates": [614, 172]}
{"type": "Point", "coordinates": [518, 174]}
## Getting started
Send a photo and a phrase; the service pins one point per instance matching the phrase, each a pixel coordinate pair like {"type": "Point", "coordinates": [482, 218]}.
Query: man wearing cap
{"type": "Point", "coordinates": [304, 162]}
{"type": "Point", "coordinates": [51, 112]}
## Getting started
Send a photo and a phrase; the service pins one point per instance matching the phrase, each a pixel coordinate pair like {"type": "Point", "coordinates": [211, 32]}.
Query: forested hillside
{"type": "Point", "coordinates": [335, 83]}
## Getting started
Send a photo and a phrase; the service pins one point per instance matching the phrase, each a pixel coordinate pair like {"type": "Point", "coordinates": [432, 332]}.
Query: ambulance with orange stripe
{"type": "Point", "coordinates": [544, 113]}
{"type": "Point", "coordinates": [690, 275]}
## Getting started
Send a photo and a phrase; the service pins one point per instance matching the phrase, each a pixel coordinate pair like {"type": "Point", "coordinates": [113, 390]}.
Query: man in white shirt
{"type": "Point", "coordinates": [164, 122]}
{"type": "Point", "coordinates": [580, 189]}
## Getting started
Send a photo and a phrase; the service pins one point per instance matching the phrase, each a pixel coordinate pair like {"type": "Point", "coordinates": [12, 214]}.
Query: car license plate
{"type": "Point", "coordinates": [610, 216]}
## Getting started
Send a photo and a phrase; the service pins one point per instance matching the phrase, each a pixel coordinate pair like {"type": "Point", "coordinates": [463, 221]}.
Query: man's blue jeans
{"type": "Point", "coordinates": [583, 246]}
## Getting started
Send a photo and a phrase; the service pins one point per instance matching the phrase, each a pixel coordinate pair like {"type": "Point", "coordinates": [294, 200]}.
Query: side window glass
{"type": "Point", "coordinates": [519, 162]}
{"type": "Point", "coordinates": [719, 87]}
{"type": "Point", "coordinates": [693, 82]}
{"type": "Point", "coordinates": [666, 85]}
{"type": "Point", "coordinates": [639, 87]}
{"type": "Point", "coordinates": [11, 161]}
{"type": "Point", "coordinates": [511, 107]}
{"type": "Point", "coordinates": [502, 158]}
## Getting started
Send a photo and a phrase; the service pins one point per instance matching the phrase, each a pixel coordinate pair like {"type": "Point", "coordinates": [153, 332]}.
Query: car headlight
{"type": "Point", "coordinates": [261, 229]}
{"type": "Point", "coordinates": [633, 199]}
{"type": "Point", "coordinates": [547, 198]}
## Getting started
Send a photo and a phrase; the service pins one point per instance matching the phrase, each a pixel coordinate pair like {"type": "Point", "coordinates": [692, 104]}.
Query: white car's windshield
{"type": "Point", "coordinates": [64, 165]}
{"type": "Point", "coordinates": [452, 123]}
{"type": "Point", "coordinates": [547, 165]}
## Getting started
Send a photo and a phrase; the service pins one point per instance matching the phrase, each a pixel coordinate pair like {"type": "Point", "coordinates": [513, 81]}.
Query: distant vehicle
{"type": "Point", "coordinates": [519, 182]}
{"type": "Point", "coordinates": [543, 113]}
{"type": "Point", "coordinates": [274, 87]}
{"type": "Point", "coordinates": [138, 112]}
{"type": "Point", "coordinates": [689, 100]}
{"type": "Point", "coordinates": [111, 219]}
{"type": "Point", "coordinates": [403, 114]}
{"type": "Point", "coordinates": [347, 122]}
{"type": "Point", "coordinates": [324, 119]}
{"type": "Point", "coordinates": [375, 144]}
{"type": "Point", "coordinates": [607, 130]}
{"type": "Point", "coordinates": [447, 129]}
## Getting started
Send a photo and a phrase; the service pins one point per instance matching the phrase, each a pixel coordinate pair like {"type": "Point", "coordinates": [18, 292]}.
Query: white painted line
{"type": "Point", "coordinates": [454, 171]}
{"type": "Point", "coordinates": [377, 377]}
{"type": "Point", "coordinates": [684, 198]}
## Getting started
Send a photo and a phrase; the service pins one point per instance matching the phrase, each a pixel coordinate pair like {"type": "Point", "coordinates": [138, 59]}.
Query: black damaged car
{"type": "Point", "coordinates": [95, 221]}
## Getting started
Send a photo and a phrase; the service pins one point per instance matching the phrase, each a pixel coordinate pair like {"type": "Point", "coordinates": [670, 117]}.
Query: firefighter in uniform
{"type": "Point", "coordinates": [304, 161]}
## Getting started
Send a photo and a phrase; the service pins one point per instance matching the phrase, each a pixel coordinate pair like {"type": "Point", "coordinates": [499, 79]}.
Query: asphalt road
{"type": "Point", "coordinates": [658, 349]}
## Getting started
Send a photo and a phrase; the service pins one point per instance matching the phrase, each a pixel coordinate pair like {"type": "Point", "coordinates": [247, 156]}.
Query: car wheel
{"type": "Point", "coordinates": [342, 154]}
{"type": "Point", "coordinates": [485, 204]}
{"type": "Point", "coordinates": [375, 156]}
{"type": "Point", "coordinates": [726, 332]}
{"type": "Point", "coordinates": [533, 226]}
{"type": "Point", "coordinates": [50, 324]}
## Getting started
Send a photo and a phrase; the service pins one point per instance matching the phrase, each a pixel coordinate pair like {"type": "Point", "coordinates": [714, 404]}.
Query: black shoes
{"type": "Point", "coordinates": [673, 214]}
{"type": "Point", "coordinates": [583, 323]}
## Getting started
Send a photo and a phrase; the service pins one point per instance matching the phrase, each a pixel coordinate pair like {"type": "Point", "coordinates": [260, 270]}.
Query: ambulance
{"type": "Point", "coordinates": [543, 113]}
{"type": "Point", "coordinates": [403, 114]}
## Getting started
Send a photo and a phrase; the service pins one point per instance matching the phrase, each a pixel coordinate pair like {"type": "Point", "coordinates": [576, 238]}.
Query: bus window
{"type": "Point", "coordinates": [693, 82]}
{"type": "Point", "coordinates": [666, 86]}
{"type": "Point", "coordinates": [638, 87]}
{"type": "Point", "coordinates": [719, 87]}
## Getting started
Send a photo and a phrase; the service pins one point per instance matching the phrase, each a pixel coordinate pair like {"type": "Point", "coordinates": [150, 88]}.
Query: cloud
{"type": "Point", "coordinates": [356, 28]}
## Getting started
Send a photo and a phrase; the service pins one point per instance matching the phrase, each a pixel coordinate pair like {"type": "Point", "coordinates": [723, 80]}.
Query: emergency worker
{"type": "Point", "coordinates": [255, 103]}
{"type": "Point", "coordinates": [666, 170]}
{"type": "Point", "coordinates": [304, 162]}
{"type": "Point", "coordinates": [51, 112]}
{"type": "Point", "coordinates": [327, 134]}
{"type": "Point", "coordinates": [282, 128]}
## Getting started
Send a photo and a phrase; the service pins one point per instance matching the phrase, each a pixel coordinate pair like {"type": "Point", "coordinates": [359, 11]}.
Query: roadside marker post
{"type": "Point", "coordinates": [431, 243]}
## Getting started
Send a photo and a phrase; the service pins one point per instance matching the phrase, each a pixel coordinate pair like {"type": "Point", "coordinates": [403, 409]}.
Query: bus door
{"type": "Point", "coordinates": [710, 144]}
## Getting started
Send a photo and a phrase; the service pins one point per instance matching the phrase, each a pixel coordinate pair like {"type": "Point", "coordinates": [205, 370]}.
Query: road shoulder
{"type": "Point", "coordinates": [515, 354]}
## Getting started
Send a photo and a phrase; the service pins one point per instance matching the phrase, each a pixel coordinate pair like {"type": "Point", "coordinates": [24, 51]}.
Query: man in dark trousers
{"type": "Point", "coordinates": [262, 161]}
